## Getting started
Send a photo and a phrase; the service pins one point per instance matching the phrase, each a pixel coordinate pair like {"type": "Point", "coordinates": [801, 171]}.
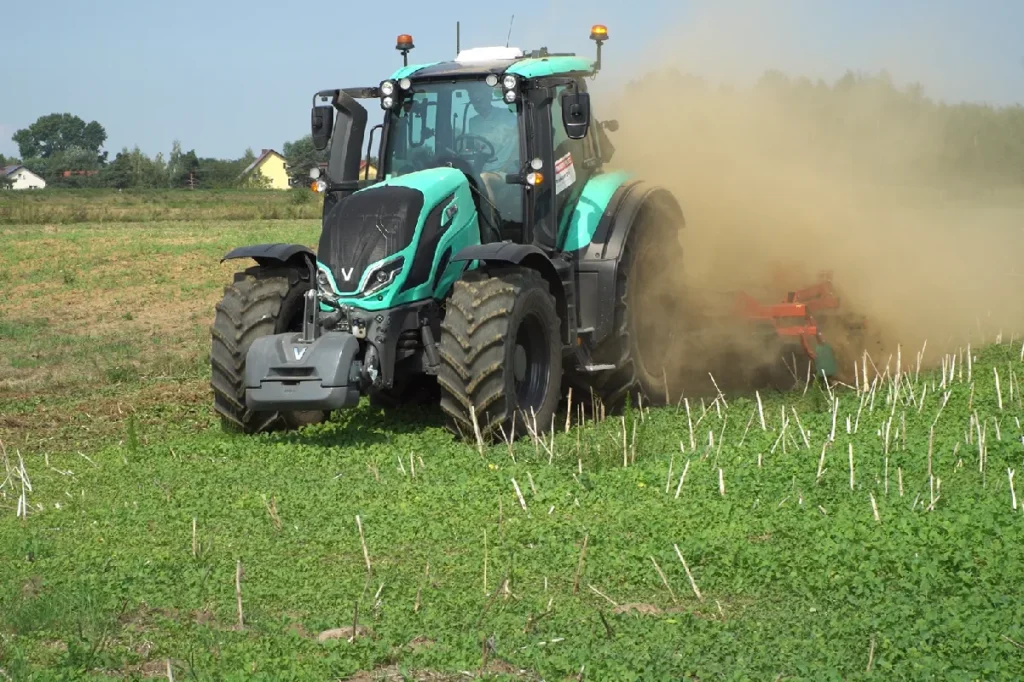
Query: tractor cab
{"type": "Point", "coordinates": [515, 124]}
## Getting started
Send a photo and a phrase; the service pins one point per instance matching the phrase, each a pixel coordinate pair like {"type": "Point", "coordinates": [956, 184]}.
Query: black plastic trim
{"type": "Point", "coordinates": [527, 255]}
{"type": "Point", "coordinates": [599, 264]}
{"type": "Point", "coordinates": [267, 254]}
{"type": "Point", "coordinates": [426, 248]}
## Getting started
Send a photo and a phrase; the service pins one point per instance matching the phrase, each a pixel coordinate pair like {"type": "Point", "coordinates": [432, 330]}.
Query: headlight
{"type": "Point", "coordinates": [323, 282]}
{"type": "Point", "coordinates": [510, 96]}
{"type": "Point", "coordinates": [405, 83]}
{"type": "Point", "coordinates": [492, 80]}
{"type": "Point", "coordinates": [387, 102]}
{"type": "Point", "coordinates": [509, 82]}
{"type": "Point", "coordinates": [387, 88]}
{"type": "Point", "coordinates": [383, 276]}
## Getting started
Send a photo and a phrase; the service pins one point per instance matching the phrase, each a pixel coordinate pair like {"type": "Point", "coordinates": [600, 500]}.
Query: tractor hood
{"type": "Point", "coordinates": [379, 246]}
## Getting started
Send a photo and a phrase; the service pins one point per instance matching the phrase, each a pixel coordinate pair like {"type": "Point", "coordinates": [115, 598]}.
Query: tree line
{"type": "Point", "coordinates": [66, 151]}
{"type": "Point", "coordinates": [856, 119]}
{"type": "Point", "coordinates": [862, 121]}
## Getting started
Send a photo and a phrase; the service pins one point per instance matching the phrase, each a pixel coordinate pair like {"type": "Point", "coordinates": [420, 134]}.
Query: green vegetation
{"type": "Point", "coordinates": [556, 558]}
{"type": "Point", "coordinates": [72, 206]}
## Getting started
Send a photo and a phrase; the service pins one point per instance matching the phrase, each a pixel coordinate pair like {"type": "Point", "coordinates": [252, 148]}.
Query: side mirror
{"type": "Point", "coordinates": [576, 114]}
{"type": "Point", "coordinates": [322, 124]}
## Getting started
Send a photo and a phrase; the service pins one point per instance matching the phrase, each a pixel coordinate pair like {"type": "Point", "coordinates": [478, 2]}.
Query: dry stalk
{"type": "Point", "coordinates": [689, 421]}
{"type": "Point", "coordinates": [476, 431]}
{"type": "Point", "coordinates": [668, 479]}
{"type": "Point", "coordinates": [746, 430]}
{"type": "Point", "coordinates": [1013, 493]}
{"type": "Point", "coordinates": [821, 461]}
{"type": "Point", "coordinates": [238, 592]}
{"type": "Point", "coordinates": [519, 494]}
{"type": "Point", "coordinates": [568, 411]}
{"type": "Point", "coordinates": [664, 580]}
{"type": "Point", "coordinates": [851, 465]}
{"type": "Point", "coordinates": [682, 478]}
{"type": "Point", "coordinates": [362, 540]}
{"type": "Point", "coordinates": [760, 411]}
{"type": "Point", "coordinates": [807, 441]}
{"type": "Point", "coordinates": [693, 583]}
{"type": "Point", "coordinates": [599, 592]}
{"type": "Point", "coordinates": [931, 475]}
{"type": "Point", "coordinates": [999, 390]}
{"type": "Point", "coordinates": [579, 565]}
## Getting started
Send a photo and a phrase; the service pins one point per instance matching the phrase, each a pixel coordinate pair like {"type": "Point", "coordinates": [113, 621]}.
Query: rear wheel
{"type": "Point", "coordinates": [261, 301]}
{"type": "Point", "coordinates": [501, 354]}
{"type": "Point", "coordinates": [646, 344]}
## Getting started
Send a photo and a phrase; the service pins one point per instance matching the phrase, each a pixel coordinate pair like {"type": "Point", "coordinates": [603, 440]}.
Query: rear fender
{"type": "Point", "coordinates": [299, 257]}
{"type": "Point", "coordinates": [525, 255]}
{"type": "Point", "coordinates": [600, 261]}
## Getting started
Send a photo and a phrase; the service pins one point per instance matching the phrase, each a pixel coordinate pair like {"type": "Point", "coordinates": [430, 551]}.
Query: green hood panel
{"type": "Point", "coordinates": [549, 66]}
{"type": "Point", "coordinates": [579, 229]}
{"type": "Point", "coordinates": [407, 71]}
{"type": "Point", "coordinates": [446, 224]}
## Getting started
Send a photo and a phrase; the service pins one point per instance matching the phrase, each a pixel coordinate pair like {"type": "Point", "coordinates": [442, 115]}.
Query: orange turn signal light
{"type": "Point", "coordinates": [535, 178]}
{"type": "Point", "coordinates": [599, 32]}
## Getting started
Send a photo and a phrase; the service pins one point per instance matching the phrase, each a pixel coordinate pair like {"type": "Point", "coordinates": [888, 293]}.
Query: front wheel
{"type": "Point", "coordinates": [501, 355]}
{"type": "Point", "coordinates": [260, 302]}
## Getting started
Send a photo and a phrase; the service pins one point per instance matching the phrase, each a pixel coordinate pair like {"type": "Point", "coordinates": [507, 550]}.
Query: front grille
{"type": "Point", "coordinates": [366, 227]}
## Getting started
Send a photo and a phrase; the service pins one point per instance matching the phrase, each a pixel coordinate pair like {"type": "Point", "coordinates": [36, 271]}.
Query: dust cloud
{"type": "Point", "coordinates": [779, 183]}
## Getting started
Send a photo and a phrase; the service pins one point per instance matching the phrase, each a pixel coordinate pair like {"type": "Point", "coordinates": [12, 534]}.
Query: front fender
{"type": "Point", "coordinates": [274, 254]}
{"type": "Point", "coordinates": [525, 255]}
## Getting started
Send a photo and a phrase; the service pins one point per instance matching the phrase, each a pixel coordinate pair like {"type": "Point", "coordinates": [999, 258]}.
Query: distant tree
{"type": "Point", "coordinates": [133, 169]}
{"type": "Point", "coordinates": [255, 179]}
{"type": "Point", "coordinates": [302, 156]}
{"type": "Point", "coordinates": [55, 134]}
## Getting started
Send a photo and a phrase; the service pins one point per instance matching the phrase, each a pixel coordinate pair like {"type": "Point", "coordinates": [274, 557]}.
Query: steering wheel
{"type": "Point", "coordinates": [491, 153]}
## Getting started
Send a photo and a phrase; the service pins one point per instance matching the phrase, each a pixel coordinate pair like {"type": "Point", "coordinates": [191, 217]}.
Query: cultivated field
{"type": "Point", "coordinates": [870, 533]}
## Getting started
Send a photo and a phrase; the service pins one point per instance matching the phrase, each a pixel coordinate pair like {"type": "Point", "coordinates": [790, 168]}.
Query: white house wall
{"type": "Point", "coordinates": [23, 179]}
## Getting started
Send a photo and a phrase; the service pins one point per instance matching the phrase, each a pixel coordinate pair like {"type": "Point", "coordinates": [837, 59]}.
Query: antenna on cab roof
{"type": "Point", "coordinates": [509, 38]}
{"type": "Point", "coordinates": [458, 38]}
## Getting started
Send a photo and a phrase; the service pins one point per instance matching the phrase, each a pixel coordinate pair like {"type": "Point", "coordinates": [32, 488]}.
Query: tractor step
{"type": "Point", "coordinates": [598, 368]}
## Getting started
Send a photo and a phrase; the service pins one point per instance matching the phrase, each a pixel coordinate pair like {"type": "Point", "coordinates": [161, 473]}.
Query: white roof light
{"type": "Point", "coordinates": [488, 54]}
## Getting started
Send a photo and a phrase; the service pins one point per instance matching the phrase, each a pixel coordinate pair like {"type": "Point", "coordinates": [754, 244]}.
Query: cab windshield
{"type": "Point", "coordinates": [468, 126]}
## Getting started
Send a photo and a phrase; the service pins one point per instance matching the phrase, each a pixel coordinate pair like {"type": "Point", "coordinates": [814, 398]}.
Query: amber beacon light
{"type": "Point", "coordinates": [599, 33]}
{"type": "Point", "coordinates": [404, 44]}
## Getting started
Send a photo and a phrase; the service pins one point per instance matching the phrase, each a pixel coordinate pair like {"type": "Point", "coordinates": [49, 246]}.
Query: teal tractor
{"type": "Point", "coordinates": [491, 263]}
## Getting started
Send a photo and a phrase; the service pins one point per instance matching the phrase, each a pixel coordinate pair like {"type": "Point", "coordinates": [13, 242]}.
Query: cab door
{"type": "Point", "coordinates": [574, 162]}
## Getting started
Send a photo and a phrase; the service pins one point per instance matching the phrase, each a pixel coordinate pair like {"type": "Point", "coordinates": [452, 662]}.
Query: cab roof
{"type": "Point", "coordinates": [480, 62]}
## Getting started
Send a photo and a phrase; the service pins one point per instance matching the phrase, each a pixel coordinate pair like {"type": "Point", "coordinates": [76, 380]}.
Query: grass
{"type": "Point", "coordinates": [687, 542]}
{"type": "Point", "coordinates": [75, 206]}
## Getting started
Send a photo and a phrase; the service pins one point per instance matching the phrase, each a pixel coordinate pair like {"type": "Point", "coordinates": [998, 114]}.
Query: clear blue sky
{"type": "Point", "coordinates": [224, 75]}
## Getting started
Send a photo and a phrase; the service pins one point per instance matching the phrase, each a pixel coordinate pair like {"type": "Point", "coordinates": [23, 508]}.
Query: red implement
{"type": "Point", "coordinates": [795, 317]}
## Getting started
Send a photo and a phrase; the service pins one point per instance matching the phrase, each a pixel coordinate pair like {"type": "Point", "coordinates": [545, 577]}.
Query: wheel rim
{"type": "Point", "coordinates": [531, 364]}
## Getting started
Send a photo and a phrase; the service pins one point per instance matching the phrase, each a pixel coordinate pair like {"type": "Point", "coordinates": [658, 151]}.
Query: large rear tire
{"type": "Point", "coordinates": [261, 301]}
{"type": "Point", "coordinates": [501, 355]}
{"type": "Point", "coordinates": [649, 317]}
